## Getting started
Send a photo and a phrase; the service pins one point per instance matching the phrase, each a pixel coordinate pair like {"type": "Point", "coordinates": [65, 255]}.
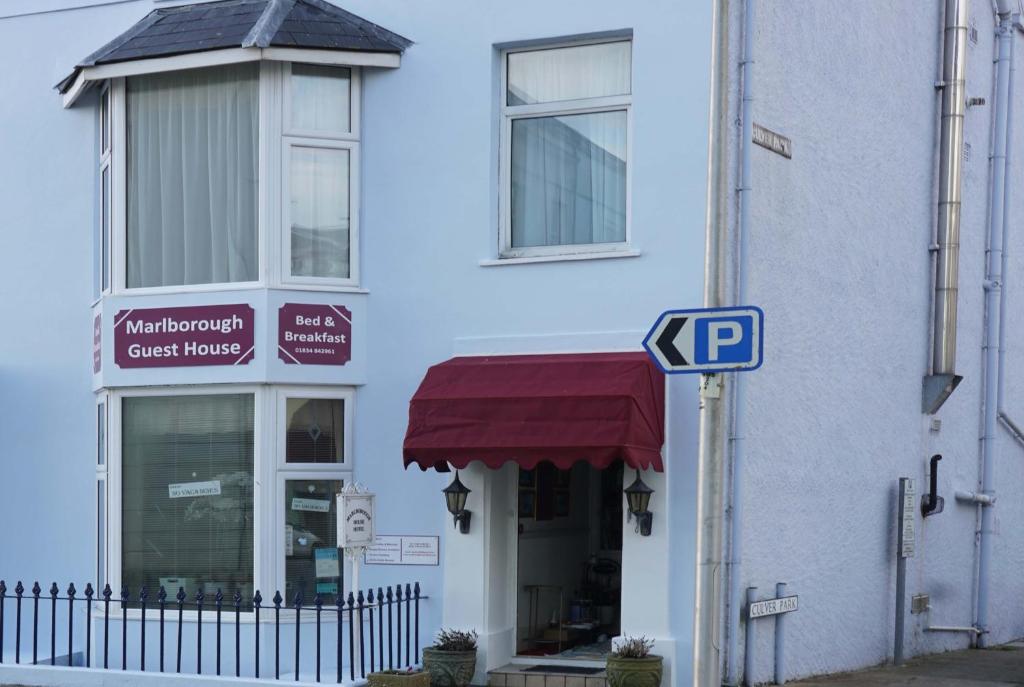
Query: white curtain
{"type": "Point", "coordinates": [569, 179]}
{"type": "Point", "coordinates": [192, 176]}
{"type": "Point", "coordinates": [572, 73]}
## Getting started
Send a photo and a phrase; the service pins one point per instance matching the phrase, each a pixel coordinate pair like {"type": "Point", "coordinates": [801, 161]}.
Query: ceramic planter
{"type": "Point", "coordinates": [634, 672]}
{"type": "Point", "coordinates": [449, 668]}
{"type": "Point", "coordinates": [398, 678]}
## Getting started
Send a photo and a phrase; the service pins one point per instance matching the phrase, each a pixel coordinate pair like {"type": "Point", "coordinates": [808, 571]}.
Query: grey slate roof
{"type": "Point", "coordinates": [314, 24]}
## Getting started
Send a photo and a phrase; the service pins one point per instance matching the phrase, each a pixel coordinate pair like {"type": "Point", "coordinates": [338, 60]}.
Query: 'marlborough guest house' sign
{"type": "Point", "coordinates": [184, 336]}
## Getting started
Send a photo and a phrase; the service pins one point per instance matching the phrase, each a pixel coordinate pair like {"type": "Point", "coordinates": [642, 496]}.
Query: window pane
{"type": "Point", "coordinates": [101, 534]}
{"type": "Point", "coordinates": [321, 98]}
{"type": "Point", "coordinates": [315, 430]}
{"type": "Point", "coordinates": [312, 558]}
{"type": "Point", "coordinates": [569, 179]}
{"type": "Point", "coordinates": [187, 472]}
{"type": "Point", "coordinates": [101, 434]}
{"type": "Point", "coordinates": [192, 176]}
{"type": "Point", "coordinates": [105, 121]}
{"type": "Point", "coordinates": [320, 212]}
{"type": "Point", "coordinates": [582, 71]}
{"type": "Point", "coordinates": [105, 228]}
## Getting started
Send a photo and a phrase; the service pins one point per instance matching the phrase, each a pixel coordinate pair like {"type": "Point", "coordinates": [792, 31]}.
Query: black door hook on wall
{"type": "Point", "coordinates": [931, 503]}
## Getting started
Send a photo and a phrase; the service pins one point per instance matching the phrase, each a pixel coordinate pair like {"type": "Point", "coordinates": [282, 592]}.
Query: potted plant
{"type": "Point", "coordinates": [633, 665]}
{"type": "Point", "coordinates": [451, 661]}
{"type": "Point", "coordinates": [399, 678]}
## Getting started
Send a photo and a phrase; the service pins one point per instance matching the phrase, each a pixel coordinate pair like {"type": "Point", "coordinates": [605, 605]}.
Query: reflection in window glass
{"type": "Point", "coordinates": [315, 430]}
{"type": "Point", "coordinates": [569, 179]}
{"type": "Point", "coordinates": [105, 121]}
{"type": "Point", "coordinates": [105, 228]}
{"type": "Point", "coordinates": [101, 434]}
{"type": "Point", "coordinates": [187, 493]}
{"type": "Point", "coordinates": [320, 98]}
{"type": "Point", "coordinates": [572, 73]}
{"type": "Point", "coordinates": [312, 558]}
{"type": "Point", "coordinates": [319, 212]}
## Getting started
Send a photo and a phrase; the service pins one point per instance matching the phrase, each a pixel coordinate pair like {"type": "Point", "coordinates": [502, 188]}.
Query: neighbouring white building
{"type": "Point", "coordinates": [259, 251]}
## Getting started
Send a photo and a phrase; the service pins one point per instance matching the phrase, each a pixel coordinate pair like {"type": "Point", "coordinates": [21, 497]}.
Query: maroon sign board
{"type": "Point", "coordinates": [185, 336]}
{"type": "Point", "coordinates": [314, 334]}
{"type": "Point", "coordinates": [97, 344]}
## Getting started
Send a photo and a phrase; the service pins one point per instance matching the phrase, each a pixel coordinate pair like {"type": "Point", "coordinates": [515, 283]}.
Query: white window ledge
{"type": "Point", "coordinates": [605, 255]}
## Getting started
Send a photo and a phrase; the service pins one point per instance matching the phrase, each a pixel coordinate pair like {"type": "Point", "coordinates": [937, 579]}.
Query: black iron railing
{"type": "Point", "coordinates": [366, 615]}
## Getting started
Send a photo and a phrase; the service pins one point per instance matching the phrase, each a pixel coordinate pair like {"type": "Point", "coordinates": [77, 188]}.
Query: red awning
{"type": "Point", "coordinates": [594, 407]}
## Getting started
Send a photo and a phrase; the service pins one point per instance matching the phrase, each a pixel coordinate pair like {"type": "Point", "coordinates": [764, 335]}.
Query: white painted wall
{"type": "Point", "coordinates": [839, 262]}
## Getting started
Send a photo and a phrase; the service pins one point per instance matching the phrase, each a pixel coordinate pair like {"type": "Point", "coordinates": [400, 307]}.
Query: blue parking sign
{"type": "Point", "coordinates": [707, 340]}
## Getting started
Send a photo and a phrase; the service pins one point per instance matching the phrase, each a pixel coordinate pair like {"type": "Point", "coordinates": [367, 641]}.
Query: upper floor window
{"type": "Point", "coordinates": [224, 175]}
{"type": "Point", "coordinates": [321, 151]}
{"type": "Point", "coordinates": [192, 177]}
{"type": "Point", "coordinates": [564, 142]}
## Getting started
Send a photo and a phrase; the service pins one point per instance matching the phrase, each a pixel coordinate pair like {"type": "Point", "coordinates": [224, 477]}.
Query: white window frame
{"type": "Point", "coordinates": [104, 278]}
{"type": "Point", "coordinates": [292, 137]}
{"type": "Point", "coordinates": [273, 198]}
{"type": "Point", "coordinates": [342, 471]}
{"type": "Point", "coordinates": [269, 473]}
{"type": "Point", "coordinates": [101, 418]}
{"type": "Point", "coordinates": [262, 574]}
{"type": "Point", "coordinates": [510, 113]}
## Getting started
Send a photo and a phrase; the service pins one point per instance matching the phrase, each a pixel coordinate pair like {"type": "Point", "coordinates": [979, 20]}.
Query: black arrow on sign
{"type": "Point", "coordinates": [665, 345]}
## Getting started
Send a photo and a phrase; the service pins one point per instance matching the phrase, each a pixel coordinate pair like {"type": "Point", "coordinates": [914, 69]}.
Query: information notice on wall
{"type": "Point", "coordinates": [184, 337]}
{"type": "Point", "coordinates": [403, 550]}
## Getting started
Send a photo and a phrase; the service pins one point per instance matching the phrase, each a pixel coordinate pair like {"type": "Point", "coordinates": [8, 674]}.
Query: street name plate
{"type": "Point", "coordinates": [777, 143]}
{"type": "Point", "coordinates": [905, 546]}
{"type": "Point", "coordinates": [785, 604]}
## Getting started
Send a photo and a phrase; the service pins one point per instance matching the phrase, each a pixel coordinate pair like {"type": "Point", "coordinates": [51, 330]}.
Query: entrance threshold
{"type": "Point", "coordinates": [554, 661]}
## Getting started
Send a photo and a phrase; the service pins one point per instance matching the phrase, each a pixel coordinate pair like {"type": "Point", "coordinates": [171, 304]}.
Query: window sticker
{"type": "Point", "coordinates": [327, 563]}
{"type": "Point", "coordinates": [314, 505]}
{"type": "Point", "coordinates": [191, 490]}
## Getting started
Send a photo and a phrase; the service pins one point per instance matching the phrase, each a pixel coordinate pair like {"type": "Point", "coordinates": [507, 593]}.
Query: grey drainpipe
{"type": "Point", "coordinates": [1004, 417]}
{"type": "Point", "coordinates": [993, 295]}
{"type": "Point", "coordinates": [707, 661]}
{"type": "Point", "coordinates": [943, 378]}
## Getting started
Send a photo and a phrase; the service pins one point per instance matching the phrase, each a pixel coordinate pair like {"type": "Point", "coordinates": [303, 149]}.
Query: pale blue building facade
{"type": "Point", "coordinates": [445, 197]}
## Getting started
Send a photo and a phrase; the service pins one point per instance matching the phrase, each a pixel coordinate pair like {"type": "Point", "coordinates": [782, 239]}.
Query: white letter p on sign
{"type": "Point", "coordinates": [716, 337]}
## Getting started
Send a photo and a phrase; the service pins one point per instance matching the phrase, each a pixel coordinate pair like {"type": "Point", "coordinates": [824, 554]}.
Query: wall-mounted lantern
{"type": "Point", "coordinates": [455, 495]}
{"type": "Point", "coordinates": [638, 498]}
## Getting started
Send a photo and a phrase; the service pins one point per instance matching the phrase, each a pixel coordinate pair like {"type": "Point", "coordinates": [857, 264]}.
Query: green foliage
{"type": "Point", "coordinates": [455, 640]}
{"type": "Point", "coordinates": [634, 647]}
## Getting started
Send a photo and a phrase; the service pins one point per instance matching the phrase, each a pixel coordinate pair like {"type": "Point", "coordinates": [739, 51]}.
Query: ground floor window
{"type": "Point", "coordinates": [187, 493]}
{"type": "Point", "coordinates": [229, 488]}
{"type": "Point", "coordinates": [312, 558]}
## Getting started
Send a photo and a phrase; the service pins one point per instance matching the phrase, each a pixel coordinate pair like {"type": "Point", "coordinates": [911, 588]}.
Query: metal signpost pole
{"type": "Point", "coordinates": [904, 550]}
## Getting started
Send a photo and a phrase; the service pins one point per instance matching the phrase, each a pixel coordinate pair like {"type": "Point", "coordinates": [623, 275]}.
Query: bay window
{"type": "Point", "coordinates": [223, 488]}
{"type": "Point", "coordinates": [226, 176]}
{"type": "Point", "coordinates": [564, 149]}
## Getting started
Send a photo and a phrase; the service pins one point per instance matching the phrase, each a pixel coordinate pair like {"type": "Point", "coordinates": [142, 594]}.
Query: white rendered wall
{"type": "Point", "coordinates": [839, 262]}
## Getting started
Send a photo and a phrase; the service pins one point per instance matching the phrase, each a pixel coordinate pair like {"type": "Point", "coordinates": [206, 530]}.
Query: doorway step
{"type": "Point", "coordinates": [546, 676]}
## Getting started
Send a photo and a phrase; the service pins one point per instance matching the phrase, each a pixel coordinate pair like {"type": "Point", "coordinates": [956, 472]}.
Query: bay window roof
{"type": "Point", "coordinates": [239, 31]}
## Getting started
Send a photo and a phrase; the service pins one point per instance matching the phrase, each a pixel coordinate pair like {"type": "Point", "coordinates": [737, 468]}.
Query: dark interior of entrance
{"type": "Point", "coordinates": [569, 561]}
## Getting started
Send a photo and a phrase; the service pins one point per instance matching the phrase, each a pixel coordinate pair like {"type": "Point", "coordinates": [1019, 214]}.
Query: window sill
{"type": "Point", "coordinates": [562, 257]}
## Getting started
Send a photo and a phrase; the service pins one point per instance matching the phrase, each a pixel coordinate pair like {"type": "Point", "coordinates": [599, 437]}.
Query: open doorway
{"type": "Point", "coordinates": [569, 561]}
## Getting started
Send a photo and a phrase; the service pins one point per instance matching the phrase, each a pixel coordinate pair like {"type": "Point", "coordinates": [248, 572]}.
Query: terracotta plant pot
{"type": "Point", "coordinates": [449, 668]}
{"type": "Point", "coordinates": [634, 672]}
{"type": "Point", "coordinates": [399, 678]}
